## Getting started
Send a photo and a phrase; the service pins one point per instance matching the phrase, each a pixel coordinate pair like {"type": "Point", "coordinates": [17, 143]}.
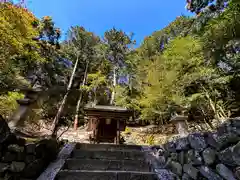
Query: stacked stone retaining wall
{"type": "Point", "coordinates": [22, 160]}
{"type": "Point", "coordinates": [209, 155]}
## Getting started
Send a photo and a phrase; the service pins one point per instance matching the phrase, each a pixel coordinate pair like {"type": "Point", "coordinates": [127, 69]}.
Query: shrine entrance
{"type": "Point", "coordinates": [106, 122]}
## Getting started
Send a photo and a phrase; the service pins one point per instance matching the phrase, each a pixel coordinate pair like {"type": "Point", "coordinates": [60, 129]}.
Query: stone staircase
{"type": "Point", "coordinates": [101, 162]}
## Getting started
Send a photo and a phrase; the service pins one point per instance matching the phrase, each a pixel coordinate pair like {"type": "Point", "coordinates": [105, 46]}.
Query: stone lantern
{"type": "Point", "coordinates": [180, 123]}
{"type": "Point", "coordinates": [30, 98]}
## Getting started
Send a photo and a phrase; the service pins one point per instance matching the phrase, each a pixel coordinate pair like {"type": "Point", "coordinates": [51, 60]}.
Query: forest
{"type": "Point", "coordinates": [189, 67]}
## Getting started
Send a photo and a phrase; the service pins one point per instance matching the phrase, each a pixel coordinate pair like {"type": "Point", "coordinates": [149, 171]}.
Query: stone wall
{"type": "Point", "coordinates": [213, 156]}
{"type": "Point", "coordinates": [22, 160]}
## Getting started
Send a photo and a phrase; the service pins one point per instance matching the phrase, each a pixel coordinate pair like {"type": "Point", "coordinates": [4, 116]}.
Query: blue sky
{"type": "Point", "coordinates": [142, 17]}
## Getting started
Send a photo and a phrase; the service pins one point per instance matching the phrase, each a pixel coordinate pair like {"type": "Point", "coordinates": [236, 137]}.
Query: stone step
{"type": "Point", "coordinates": [96, 164]}
{"type": "Point", "coordinates": [107, 147]}
{"type": "Point", "coordinates": [104, 175]}
{"type": "Point", "coordinates": [110, 155]}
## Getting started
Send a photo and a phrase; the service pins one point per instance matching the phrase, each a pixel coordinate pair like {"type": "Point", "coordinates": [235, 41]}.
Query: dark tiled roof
{"type": "Point", "coordinates": [106, 108]}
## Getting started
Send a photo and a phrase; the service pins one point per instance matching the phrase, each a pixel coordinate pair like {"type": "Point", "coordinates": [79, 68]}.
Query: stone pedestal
{"type": "Point", "coordinates": [180, 124]}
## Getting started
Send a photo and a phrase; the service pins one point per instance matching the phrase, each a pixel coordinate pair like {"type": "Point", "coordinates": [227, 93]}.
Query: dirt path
{"type": "Point", "coordinates": [71, 135]}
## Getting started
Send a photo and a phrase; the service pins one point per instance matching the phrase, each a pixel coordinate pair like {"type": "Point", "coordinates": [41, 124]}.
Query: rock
{"type": "Point", "coordinates": [30, 148]}
{"type": "Point", "coordinates": [175, 167]}
{"type": "Point", "coordinates": [236, 153]}
{"type": "Point", "coordinates": [225, 172]}
{"type": "Point", "coordinates": [193, 157]}
{"type": "Point", "coordinates": [220, 141]}
{"type": "Point", "coordinates": [21, 156]}
{"type": "Point", "coordinates": [191, 171]}
{"type": "Point", "coordinates": [226, 127]}
{"type": "Point", "coordinates": [47, 149]}
{"type": "Point", "coordinates": [237, 173]}
{"type": "Point", "coordinates": [212, 139]}
{"type": "Point", "coordinates": [197, 141]}
{"type": "Point", "coordinates": [164, 174]}
{"type": "Point", "coordinates": [235, 122]}
{"type": "Point", "coordinates": [15, 148]}
{"type": "Point", "coordinates": [30, 158]}
{"type": "Point", "coordinates": [33, 169]}
{"type": "Point", "coordinates": [226, 157]}
{"type": "Point", "coordinates": [21, 141]}
{"type": "Point", "coordinates": [161, 161]}
{"type": "Point", "coordinates": [4, 130]}
{"type": "Point", "coordinates": [202, 178]}
{"type": "Point", "coordinates": [154, 148]}
{"type": "Point", "coordinates": [170, 147]}
{"type": "Point", "coordinates": [10, 176]}
{"type": "Point", "coordinates": [182, 144]}
{"type": "Point", "coordinates": [209, 156]}
{"type": "Point", "coordinates": [17, 166]}
{"type": "Point", "coordinates": [174, 156]}
{"type": "Point", "coordinates": [189, 156]}
{"type": "Point", "coordinates": [161, 150]}
{"type": "Point", "coordinates": [40, 150]}
{"type": "Point", "coordinates": [3, 167]}
{"type": "Point", "coordinates": [181, 157]}
{"type": "Point", "coordinates": [186, 177]}
{"type": "Point", "coordinates": [209, 173]}
{"type": "Point", "coordinates": [9, 157]}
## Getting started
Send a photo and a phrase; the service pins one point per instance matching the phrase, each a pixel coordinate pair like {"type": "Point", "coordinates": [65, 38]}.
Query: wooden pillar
{"type": "Point", "coordinates": [97, 131]}
{"type": "Point", "coordinates": [118, 132]}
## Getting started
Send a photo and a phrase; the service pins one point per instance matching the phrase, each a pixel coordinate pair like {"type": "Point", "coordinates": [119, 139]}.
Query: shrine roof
{"type": "Point", "coordinates": [106, 108]}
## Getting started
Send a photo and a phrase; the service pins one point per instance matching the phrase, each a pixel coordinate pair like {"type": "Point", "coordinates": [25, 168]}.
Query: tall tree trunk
{"type": "Point", "coordinates": [114, 85]}
{"type": "Point", "coordinates": [56, 119]}
{"type": "Point", "coordinates": [80, 99]}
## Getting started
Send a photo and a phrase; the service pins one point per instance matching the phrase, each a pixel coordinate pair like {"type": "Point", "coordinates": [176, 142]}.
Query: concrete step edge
{"type": "Point", "coordinates": [115, 150]}
{"type": "Point", "coordinates": [104, 165]}
{"type": "Point", "coordinates": [101, 171]}
{"type": "Point", "coordinates": [125, 146]}
{"type": "Point", "coordinates": [114, 160]}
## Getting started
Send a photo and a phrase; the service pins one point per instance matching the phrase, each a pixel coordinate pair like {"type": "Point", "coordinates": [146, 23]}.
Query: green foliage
{"type": "Point", "coordinates": [192, 64]}
{"type": "Point", "coordinates": [96, 81]}
{"type": "Point", "coordinates": [157, 42]}
{"type": "Point", "coordinates": [150, 140]}
{"type": "Point", "coordinates": [169, 76]}
{"type": "Point", "coordinates": [16, 33]}
{"type": "Point", "coordinates": [8, 103]}
{"type": "Point", "coordinates": [198, 5]}
{"type": "Point", "coordinates": [28, 52]}
{"type": "Point", "coordinates": [222, 37]}
{"type": "Point", "coordinates": [118, 44]}
{"type": "Point", "coordinates": [128, 130]}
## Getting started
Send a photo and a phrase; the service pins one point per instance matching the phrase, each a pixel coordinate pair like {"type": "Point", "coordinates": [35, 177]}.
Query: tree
{"type": "Point", "coordinates": [118, 44]}
{"type": "Point", "coordinates": [213, 5]}
{"type": "Point", "coordinates": [84, 44]}
{"type": "Point", "coordinates": [56, 119]}
{"type": "Point", "coordinates": [17, 49]}
{"type": "Point", "coordinates": [190, 64]}
{"type": "Point", "coordinates": [27, 56]}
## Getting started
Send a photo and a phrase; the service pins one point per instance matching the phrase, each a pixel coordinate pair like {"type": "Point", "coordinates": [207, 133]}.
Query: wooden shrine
{"type": "Point", "coordinates": [106, 122]}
